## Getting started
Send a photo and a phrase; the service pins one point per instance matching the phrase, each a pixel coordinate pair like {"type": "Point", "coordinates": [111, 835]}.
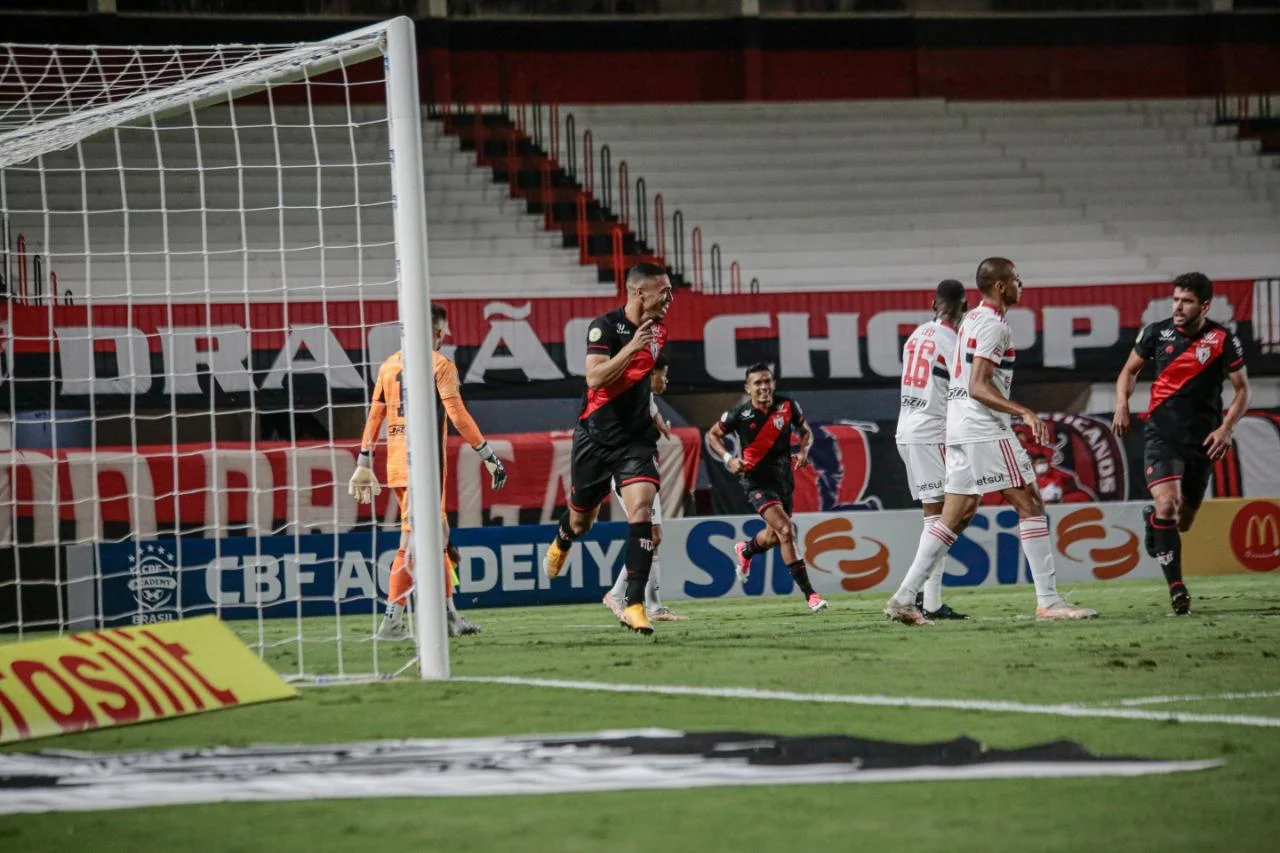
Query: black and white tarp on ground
{"type": "Point", "coordinates": [61, 780]}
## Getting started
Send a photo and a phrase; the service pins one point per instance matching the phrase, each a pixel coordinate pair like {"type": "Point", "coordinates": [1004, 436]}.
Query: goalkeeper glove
{"type": "Point", "coordinates": [497, 472]}
{"type": "Point", "coordinates": [363, 485]}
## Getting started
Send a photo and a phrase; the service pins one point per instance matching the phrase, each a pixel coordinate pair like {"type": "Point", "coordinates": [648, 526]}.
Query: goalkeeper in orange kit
{"type": "Point", "coordinates": [388, 405]}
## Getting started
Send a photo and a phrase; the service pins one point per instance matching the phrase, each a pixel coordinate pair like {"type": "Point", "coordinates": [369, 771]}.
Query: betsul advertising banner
{"type": "Point", "coordinates": [1233, 537]}
{"type": "Point", "coordinates": [116, 677]}
{"type": "Point", "coordinates": [284, 576]}
{"type": "Point", "coordinates": [286, 353]}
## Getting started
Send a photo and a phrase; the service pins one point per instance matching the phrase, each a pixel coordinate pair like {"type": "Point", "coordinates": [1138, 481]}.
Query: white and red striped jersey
{"type": "Point", "coordinates": [984, 334]}
{"type": "Point", "coordinates": [922, 416]}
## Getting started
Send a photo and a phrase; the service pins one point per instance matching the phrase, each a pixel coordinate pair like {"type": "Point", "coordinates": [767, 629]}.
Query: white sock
{"type": "Point", "coordinates": [394, 611]}
{"type": "Point", "coordinates": [935, 541]}
{"type": "Point", "coordinates": [651, 600]}
{"type": "Point", "coordinates": [1038, 548]}
{"type": "Point", "coordinates": [933, 583]}
{"type": "Point", "coordinates": [619, 591]}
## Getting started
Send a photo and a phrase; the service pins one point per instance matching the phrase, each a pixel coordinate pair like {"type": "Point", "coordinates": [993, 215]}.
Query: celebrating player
{"type": "Point", "coordinates": [922, 421]}
{"type": "Point", "coordinates": [763, 426]}
{"type": "Point", "coordinates": [613, 599]}
{"type": "Point", "coordinates": [388, 405]}
{"type": "Point", "coordinates": [1185, 431]}
{"type": "Point", "coordinates": [984, 455]}
{"type": "Point", "coordinates": [615, 439]}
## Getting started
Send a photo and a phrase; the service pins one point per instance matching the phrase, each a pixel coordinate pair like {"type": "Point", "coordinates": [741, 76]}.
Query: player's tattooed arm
{"type": "Point", "coordinates": [1125, 384]}
{"type": "Point", "coordinates": [982, 390]}
{"type": "Point", "coordinates": [603, 370]}
{"type": "Point", "coordinates": [715, 440]}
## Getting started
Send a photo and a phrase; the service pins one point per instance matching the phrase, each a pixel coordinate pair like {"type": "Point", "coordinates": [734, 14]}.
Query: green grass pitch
{"type": "Point", "coordinates": [1231, 644]}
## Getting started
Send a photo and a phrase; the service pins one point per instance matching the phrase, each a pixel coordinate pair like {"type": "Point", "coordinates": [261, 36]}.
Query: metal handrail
{"type": "Point", "coordinates": [717, 269]}
{"type": "Point", "coordinates": [606, 176]}
{"type": "Point", "coordinates": [695, 249]}
{"type": "Point", "coordinates": [677, 241]}
{"type": "Point", "coordinates": [642, 211]}
{"type": "Point", "coordinates": [624, 194]}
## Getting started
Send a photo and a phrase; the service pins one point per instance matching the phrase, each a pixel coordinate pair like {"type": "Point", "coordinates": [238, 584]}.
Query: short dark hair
{"type": "Point", "coordinates": [950, 291]}
{"type": "Point", "coordinates": [661, 363]}
{"type": "Point", "coordinates": [757, 367]}
{"type": "Point", "coordinates": [642, 272]}
{"type": "Point", "coordinates": [992, 270]}
{"type": "Point", "coordinates": [438, 314]}
{"type": "Point", "coordinates": [1196, 282]}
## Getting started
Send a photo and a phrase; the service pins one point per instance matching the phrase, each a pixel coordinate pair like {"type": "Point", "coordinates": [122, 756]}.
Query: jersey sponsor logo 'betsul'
{"type": "Point", "coordinates": [922, 415]}
{"type": "Point", "coordinates": [985, 335]}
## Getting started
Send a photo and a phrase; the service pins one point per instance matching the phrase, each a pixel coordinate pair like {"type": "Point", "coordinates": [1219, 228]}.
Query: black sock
{"type": "Point", "coordinates": [564, 536]}
{"type": "Point", "coordinates": [639, 560]}
{"type": "Point", "coordinates": [1168, 542]}
{"type": "Point", "coordinates": [752, 548]}
{"type": "Point", "coordinates": [801, 576]}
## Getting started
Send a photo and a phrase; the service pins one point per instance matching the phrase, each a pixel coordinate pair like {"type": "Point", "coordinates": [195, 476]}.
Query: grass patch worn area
{"type": "Point", "coordinates": [1136, 649]}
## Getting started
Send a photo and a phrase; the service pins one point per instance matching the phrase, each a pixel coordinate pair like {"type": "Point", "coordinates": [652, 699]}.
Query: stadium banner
{"type": "Point", "coordinates": [285, 353]}
{"type": "Point", "coordinates": [237, 488]}
{"type": "Point", "coordinates": [1233, 537]}
{"type": "Point", "coordinates": [119, 676]}
{"type": "Point", "coordinates": [314, 575]}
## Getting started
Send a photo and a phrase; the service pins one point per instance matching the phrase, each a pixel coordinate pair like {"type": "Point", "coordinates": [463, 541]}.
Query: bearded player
{"type": "Point", "coordinates": [1185, 432]}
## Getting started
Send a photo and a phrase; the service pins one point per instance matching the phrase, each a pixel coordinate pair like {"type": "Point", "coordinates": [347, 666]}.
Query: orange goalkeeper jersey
{"type": "Point", "coordinates": [388, 406]}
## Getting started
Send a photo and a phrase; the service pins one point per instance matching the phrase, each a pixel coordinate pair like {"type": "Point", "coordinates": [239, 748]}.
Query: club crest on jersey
{"type": "Point", "coordinates": [778, 421]}
{"type": "Point", "coordinates": [654, 349]}
{"type": "Point", "coordinates": [1203, 354]}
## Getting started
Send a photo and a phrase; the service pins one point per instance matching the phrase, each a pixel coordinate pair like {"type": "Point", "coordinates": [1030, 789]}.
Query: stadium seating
{"type": "Point", "coordinates": [872, 194]}
{"type": "Point", "coordinates": [481, 243]}
{"type": "Point", "coordinates": [830, 195]}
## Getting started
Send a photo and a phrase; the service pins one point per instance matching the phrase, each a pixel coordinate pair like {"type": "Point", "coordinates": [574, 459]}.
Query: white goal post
{"type": "Point", "coordinates": [208, 253]}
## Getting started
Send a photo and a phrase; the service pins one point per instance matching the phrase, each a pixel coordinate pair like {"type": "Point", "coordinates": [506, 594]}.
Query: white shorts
{"type": "Point", "coordinates": [926, 470]}
{"type": "Point", "coordinates": [987, 466]}
{"type": "Point", "coordinates": [655, 514]}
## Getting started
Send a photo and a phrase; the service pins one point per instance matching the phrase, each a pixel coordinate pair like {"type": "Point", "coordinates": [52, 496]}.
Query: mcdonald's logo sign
{"type": "Point", "coordinates": [1255, 536]}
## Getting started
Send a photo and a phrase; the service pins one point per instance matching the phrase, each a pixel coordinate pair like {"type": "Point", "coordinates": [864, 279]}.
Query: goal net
{"type": "Point", "coordinates": [208, 252]}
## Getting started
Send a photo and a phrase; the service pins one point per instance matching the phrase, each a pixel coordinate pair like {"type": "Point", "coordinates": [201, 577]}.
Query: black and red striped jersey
{"type": "Point", "coordinates": [618, 414]}
{"type": "Point", "coordinates": [764, 438]}
{"type": "Point", "coordinates": [1186, 395]}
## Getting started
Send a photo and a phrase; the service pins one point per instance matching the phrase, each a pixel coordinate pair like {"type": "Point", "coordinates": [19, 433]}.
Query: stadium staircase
{"type": "Point", "coordinates": [587, 215]}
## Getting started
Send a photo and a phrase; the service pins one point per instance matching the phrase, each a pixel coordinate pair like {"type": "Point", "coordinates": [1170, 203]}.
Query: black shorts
{"type": "Point", "coordinates": [766, 493]}
{"type": "Point", "coordinates": [1164, 461]}
{"type": "Point", "coordinates": [594, 467]}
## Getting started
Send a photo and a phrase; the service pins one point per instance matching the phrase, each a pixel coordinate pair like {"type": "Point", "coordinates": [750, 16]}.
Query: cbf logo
{"type": "Point", "coordinates": [154, 584]}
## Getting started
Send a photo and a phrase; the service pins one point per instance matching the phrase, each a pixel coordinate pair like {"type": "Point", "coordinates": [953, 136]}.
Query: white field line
{"type": "Point", "coordinates": [1206, 697]}
{"type": "Point", "coordinates": [994, 705]}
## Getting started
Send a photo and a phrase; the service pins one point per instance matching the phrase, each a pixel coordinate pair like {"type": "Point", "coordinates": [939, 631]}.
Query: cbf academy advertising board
{"type": "Point", "coordinates": [288, 576]}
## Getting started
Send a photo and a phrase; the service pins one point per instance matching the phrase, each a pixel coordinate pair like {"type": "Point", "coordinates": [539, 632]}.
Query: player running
{"type": "Point", "coordinates": [922, 421]}
{"type": "Point", "coordinates": [984, 455]}
{"type": "Point", "coordinates": [763, 426]}
{"type": "Point", "coordinates": [615, 439]}
{"type": "Point", "coordinates": [1185, 431]}
{"type": "Point", "coordinates": [614, 598]}
{"type": "Point", "coordinates": [388, 405]}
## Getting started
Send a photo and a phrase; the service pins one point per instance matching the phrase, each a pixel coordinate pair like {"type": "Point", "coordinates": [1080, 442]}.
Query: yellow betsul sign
{"type": "Point", "coordinates": [119, 676]}
{"type": "Point", "coordinates": [1233, 536]}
